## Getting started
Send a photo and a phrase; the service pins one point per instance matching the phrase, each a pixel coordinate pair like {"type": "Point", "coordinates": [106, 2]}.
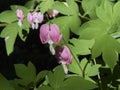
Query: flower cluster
{"type": "Point", "coordinates": [49, 34]}
{"type": "Point", "coordinates": [34, 19]}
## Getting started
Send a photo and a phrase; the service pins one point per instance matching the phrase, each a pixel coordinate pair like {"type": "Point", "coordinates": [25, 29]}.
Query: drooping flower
{"type": "Point", "coordinates": [34, 19]}
{"type": "Point", "coordinates": [63, 56]}
{"type": "Point", "coordinates": [20, 16]}
{"type": "Point", "coordinates": [52, 13]}
{"type": "Point", "coordinates": [50, 34]}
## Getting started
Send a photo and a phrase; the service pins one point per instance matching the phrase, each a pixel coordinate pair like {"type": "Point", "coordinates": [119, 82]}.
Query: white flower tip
{"type": "Point", "coordinates": [19, 23]}
{"type": "Point", "coordinates": [65, 68]}
{"type": "Point", "coordinates": [52, 50]}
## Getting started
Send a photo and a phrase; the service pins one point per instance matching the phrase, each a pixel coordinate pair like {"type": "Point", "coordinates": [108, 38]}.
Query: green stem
{"type": "Point", "coordinates": [83, 16]}
{"type": "Point", "coordinates": [99, 79]}
{"type": "Point", "coordinates": [85, 69]}
{"type": "Point", "coordinates": [3, 24]}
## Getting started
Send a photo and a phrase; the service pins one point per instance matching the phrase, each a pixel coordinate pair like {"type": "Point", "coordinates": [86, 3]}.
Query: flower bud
{"type": "Point", "coordinates": [20, 16]}
{"type": "Point", "coordinates": [52, 13]}
{"type": "Point", "coordinates": [63, 55]}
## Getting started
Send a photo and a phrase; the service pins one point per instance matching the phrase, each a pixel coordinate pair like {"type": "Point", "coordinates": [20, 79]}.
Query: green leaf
{"type": "Point", "coordinates": [45, 88]}
{"type": "Point", "coordinates": [91, 70]}
{"type": "Point", "coordinates": [61, 7]}
{"type": "Point", "coordinates": [10, 33]}
{"type": "Point", "coordinates": [77, 83]}
{"type": "Point", "coordinates": [90, 6]}
{"type": "Point", "coordinates": [41, 75]}
{"type": "Point", "coordinates": [8, 16]}
{"type": "Point", "coordinates": [24, 31]}
{"type": "Point", "coordinates": [75, 65]}
{"type": "Point", "coordinates": [66, 23]}
{"type": "Point", "coordinates": [45, 5]}
{"type": "Point", "coordinates": [30, 4]}
{"type": "Point", "coordinates": [93, 29]}
{"type": "Point", "coordinates": [70, 9]}
{"type": "Point", "coordinates": [73, 7]}
{"type": "Point", "coordinates": [4, 83]}
{"type": "Point", "coordinates": [104, 12]}
{"type": "Point", "coordinates": [24, 9]}
{"type": "Point", "coordinates": [81, 46]}
{"type": "Point", "coordinates": [116, 13]}
{"type": "Point", "coordinates": [16, 85]}
{"type": "Point", "coordinates": [56, 78]}
{"type": "Point", "coordinates": [108, 47]}
{"type": "Point", "coordinates": [26, 73]}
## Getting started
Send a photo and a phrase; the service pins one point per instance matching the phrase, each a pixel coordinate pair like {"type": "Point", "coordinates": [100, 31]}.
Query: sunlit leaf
{"type": "Point", "coordinates": [45, 5]}
{"type": "Point", "coordinates": [77, 83]}
{"type": "Point", "coordinates": [81, 46]}
{"type": "Point", "coordinates": [10, 33]}
{"type": "Point", "coordinates": [8, 16]}
{"type": "Point", "coordinates": [90, 6]}
{"type": "Point", "coordinates": [93, 29]}
{"type": "Point", "coordinates": [70, 9]}
{"type": "Point", "coordinates": [104, 12]}
{"type": "Point", "coordinates": [108, 47]}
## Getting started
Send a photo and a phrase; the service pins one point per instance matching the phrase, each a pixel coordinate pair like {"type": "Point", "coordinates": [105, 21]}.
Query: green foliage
{"type": "Point", "coordinates": [68, 23]}
{"type": "Point", "coordinates": [5, 84]}
{"type": "Point", "coordinates": [93, 39]}
{"type": "Point", "coordinates": [70, 9]}
{"type": "Point", "coordinates": [24, 9]}
{"type": "Point", "coordinates": [45, 5]}
{"type": "Point", "coordinates": [93, 29]}
{"type": "Point", "coordinates": [30, 4]}
{"type": "Point", "coordinates": [26, 73]}
{"type": "Point", "coordinates": [109, 51]}
{"type": "Point", "coordinates": [10, 33]}
{"type": "Point", "coordinates": [90, 6]}
{"type": "Point", "coordinates": [81, 46]}
{"type": "Point", "coordinates": [77, 83]}
{"type": "Point", "coordinates": [8, 16]}
{"type": "Point", "coordinates": [57, 81]}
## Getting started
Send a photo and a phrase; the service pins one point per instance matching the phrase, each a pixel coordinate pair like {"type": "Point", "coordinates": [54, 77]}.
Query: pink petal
{"type": "Point", "coordinates": [40, 17]}
{"type": "Point", "coordinates": [30, 18]}
{"type": "Point", "coordinates": [55, 33]}
{"type": "Point", "coordinates": [44, 33]}
{"type": "Point", "coordinates": [66, 55]}
{"type": "Point", "coordinates": [19, 14]}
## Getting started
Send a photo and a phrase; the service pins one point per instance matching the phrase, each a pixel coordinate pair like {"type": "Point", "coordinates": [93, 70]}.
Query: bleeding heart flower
{"type": "Point", "coordinates": [63, 56]}
{"type": "Point", "coordinates": [34, 19]}
{"type": "Point", "coordinates": [50, 34]}
{"type": "Point", "coordinates": [20, 16]}
{"type": "Point", "coordinates": [52, 13]}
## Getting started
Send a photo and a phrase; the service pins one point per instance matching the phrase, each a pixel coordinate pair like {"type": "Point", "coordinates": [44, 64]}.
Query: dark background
{"type": "Point", "coordinates": [30, 50]}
